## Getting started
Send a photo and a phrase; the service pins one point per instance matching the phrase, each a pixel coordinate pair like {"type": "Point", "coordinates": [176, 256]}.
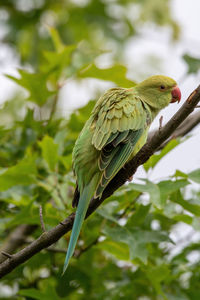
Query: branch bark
{"type": "Point", "coordinates": [16, 239]}
{"type": "Point", "coordinates": [53, 235]}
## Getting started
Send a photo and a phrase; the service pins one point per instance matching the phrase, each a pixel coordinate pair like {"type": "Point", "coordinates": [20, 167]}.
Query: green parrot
{"type": "Point", "coordinates": [114, 133]}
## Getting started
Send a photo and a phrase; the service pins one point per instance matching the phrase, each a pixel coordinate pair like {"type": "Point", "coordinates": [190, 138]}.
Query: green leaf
{"type": "Point", "coordinates": [179, 173]}
{"type": "Point", "coordinates": [35, 84]}
{"type": "Point", "coordinates": [116, 74]}
{"type": "Point", "coordinates": [49, 152]}
{"type": "Point", "coordinates": [23, 173]}
{"type": "Point", "coordinates": [154, 159]}
{"type": "Point", "coordinates": [48, 294]}
{"type": "Point", "coordinates": [117, 249]}
{"type": "Point", "coordinates": [183, 218]}
{"type": "Point", "coordinates": [107, 211]}
{"type": "Point", "coordinates": [168, 187]}
{"type": "Point", "coordinates": [33, 293]}
{"type": "Point", "coordinates": [57, 62]}
{"type": "Point", "coordinates": [186, 204]}
{"type": "Point", "coordinates": [156, 275]}
{"type": "Point", "coordinates": [195, 175]}
{"type": "Point", "coordinates": [51, 215]}
{"type": "Point", "coordinates": [138, 217]}
{"type": "Point", "coordinates": [27, 215]}
{"type": "Point", "coordinates": [58, 44]}
{"type": "Point", "coordinates": [122, 235]}
{"type": "Point", "coordinates": [193, 63]}
{"type": "Point", "coordinates": [150, 188]}
{"type": "Point", "coordinates": [136, 239]}
{"type": "Point", "coordinates": [66, 161]}
{"type": "Point", "coordinates": [79, 117]}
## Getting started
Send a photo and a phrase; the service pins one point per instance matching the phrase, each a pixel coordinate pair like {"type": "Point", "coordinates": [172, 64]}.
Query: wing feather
{"type": "Point", "coordinates": [116, 157]}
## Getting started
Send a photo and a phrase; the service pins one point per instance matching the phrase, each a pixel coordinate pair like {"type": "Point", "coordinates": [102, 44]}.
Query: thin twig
{"type": "Point", "coordinates": [56, 250]}
{"type": "Point", "coordinates": [41, 219]}
{"type": "Point", "coordinates": [160, 123]}
{"type": "Point", "coordinates": [54, 105]}
{"type": "Point", "coordinates": [78, 253]}
{"type": "Point", "coordinates": [129, 207]}
{"type": "Point", "coordinates": [7, 255]}
{"type": "Point", "coordinates": [130, 168]}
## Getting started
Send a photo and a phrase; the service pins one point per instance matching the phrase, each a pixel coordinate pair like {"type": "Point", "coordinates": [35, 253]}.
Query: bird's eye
{"type": "Point", "coordinates": [162, 87]}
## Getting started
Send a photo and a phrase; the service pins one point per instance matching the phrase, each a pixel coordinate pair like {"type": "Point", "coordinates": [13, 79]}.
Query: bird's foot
{"type": "Point", "coordinates": [130, 178]}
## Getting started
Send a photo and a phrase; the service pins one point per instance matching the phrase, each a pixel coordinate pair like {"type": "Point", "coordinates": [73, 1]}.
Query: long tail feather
{"type": "Point", "coordinates": [79, 218]}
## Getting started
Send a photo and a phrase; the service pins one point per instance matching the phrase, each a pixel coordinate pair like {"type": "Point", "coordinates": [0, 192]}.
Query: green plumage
{"type": "Point", "coordinates": [114, 133]}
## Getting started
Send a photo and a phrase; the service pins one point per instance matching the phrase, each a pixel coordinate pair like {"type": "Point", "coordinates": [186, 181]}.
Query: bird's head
{"type": "Point", "coordinates": [158, 91]}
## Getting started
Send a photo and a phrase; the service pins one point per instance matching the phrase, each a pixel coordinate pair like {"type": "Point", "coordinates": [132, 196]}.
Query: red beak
{"type": "Point", "coordinates": [176, 94]}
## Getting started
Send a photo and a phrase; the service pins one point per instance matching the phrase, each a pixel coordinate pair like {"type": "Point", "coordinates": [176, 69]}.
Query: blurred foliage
{"type": "Point", "coordinates": [193, 63]}
{"type": "Point", "coordinates": [132, 247]}
{"type": "Point", "coordinates": [98, 24]}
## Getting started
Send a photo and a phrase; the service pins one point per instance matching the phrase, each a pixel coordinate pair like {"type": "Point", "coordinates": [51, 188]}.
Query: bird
{"type": "Point", "coordinates": [115, 131]}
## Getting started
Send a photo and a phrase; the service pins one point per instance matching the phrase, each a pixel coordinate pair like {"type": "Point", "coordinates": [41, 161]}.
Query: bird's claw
{"type": "Point", "coordinates": [130, 178]}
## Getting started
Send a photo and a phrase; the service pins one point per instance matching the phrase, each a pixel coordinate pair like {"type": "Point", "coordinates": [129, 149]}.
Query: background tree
{"type": "Point", "coordinates": [128, 249]}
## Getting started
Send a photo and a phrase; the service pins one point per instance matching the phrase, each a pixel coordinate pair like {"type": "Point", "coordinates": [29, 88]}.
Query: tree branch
{"type": "Point", "coordinates": [15, 239]}
{"type": "Point", "coordinates": [53, 235]}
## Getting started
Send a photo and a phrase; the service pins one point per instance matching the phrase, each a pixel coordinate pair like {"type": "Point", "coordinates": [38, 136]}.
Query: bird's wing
{"type": "Point", "coordinates": [120, 119]}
